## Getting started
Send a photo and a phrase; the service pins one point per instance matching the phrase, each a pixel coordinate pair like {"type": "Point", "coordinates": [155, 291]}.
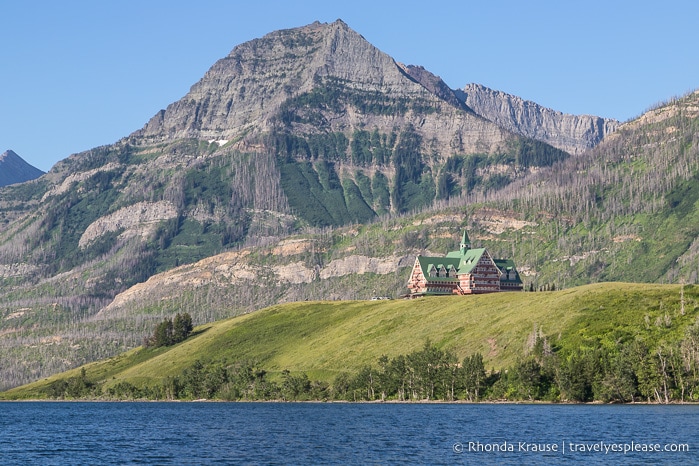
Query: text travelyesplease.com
{"type": "Point", "coordinates": [565, 447]}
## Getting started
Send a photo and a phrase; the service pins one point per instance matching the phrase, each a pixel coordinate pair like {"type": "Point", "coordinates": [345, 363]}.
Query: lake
{"type": "Point", "coordinates": [75, 433]}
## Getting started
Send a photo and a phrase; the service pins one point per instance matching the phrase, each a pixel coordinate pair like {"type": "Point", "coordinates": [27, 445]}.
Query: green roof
{"type": "Point", "coordinates": [436, 262]}
{"type": "Point", "coordinates": [505, 265]}
{"type": "Point", "coordinates": [465, 241]}
{"type": "Point", "coordinates": [462, 263]}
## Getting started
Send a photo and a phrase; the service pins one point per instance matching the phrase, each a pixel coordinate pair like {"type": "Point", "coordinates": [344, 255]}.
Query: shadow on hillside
{"type": "Point", "coordinates": [195, 334]}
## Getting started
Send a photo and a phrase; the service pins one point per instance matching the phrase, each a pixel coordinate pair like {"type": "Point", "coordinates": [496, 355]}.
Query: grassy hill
{"type": "Point", "coordinates": [324, 339]}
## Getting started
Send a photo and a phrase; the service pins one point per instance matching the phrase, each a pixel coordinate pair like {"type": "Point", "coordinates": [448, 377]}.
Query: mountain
{"type": "Point", "coordinates": [308, 164]}
{"type": "Point", "coordinates": [13, 169]}
{"type": "Point", "coordinates": [307, 127]}
{"type": "Point", "coordinates": [360, 134]}
{"type": "Point", "coordinates": [571, 133]}
{"type": "Point", "coordinates": [318, 79]}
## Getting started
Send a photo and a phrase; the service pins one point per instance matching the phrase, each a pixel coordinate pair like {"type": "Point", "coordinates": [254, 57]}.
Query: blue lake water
{"type": "Point", "coordinates": [339, 433]}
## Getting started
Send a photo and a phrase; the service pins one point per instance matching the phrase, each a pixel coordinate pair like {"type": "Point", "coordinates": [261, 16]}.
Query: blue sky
{"type": "Point", "coordinates": [80, 74]}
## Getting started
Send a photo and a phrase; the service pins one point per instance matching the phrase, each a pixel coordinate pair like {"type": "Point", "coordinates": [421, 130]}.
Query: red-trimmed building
{"type": "Point", "coordinates": [462, 272]}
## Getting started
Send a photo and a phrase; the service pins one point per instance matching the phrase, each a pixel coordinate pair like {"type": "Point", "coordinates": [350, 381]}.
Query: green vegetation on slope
{"type": "Point", "coordinates": [326, 339]}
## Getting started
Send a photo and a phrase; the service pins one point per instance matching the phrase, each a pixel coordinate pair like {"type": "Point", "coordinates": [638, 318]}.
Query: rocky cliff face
{"type": "Point", "coordinates": [239, 269]}
{"type": "Point", "coordinates": [571, 133]}
{"type": "Point", "coordinates": [13, 169]}
{"type": "Point", "coordinates": [317, 79]}
{"type": "Point", "coordinates": [435, 85]}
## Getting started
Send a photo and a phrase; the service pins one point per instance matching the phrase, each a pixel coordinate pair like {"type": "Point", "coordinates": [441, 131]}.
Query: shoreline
{"type": "Point", "coordinates": [375, 402]}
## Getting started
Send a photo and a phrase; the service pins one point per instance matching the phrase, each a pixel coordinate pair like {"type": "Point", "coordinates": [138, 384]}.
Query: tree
{"type": "Point", "coordinates": [295, 387]}
{"type": "Point", "coordinates": [193, 380]}
{"type": "Point", "coordinates": [73, 387]}
{"type": "Point", "coordinates": [169, 333]}
{"type": "Point", "coordinates": [365, 383]}
{"type": "Point", "coordinates": [689, 353]}
{"type": "Point", "coordinates": [473, 376]}
{"type": "Point", "coordinates": [214, 378]}
{"type": "Point", "coordinates": [182, 327]}
{"type": "Point", "coordinates": [527, 378]}
{"type": "Point", "coordinates": [619, 383]}
{"type": "Point", "coordinates": [450, 375]}
{"type": "Point", "coordinates": [163, 334]}
{"type": "Point", "coordinates": [427, 366]}
{"type": "Point", "coordinates": [341, 386]}
{"type": "Point", "coordinates": [386, 382]}
{"type": "Point", "coordinates": [400, 374]}
{"type": "Point", "coordinates": [576, 375]}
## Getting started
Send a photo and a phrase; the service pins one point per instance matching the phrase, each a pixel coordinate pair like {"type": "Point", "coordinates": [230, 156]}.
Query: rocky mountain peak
{"type": "Point", "coordinates": [244, 89]}
{"type": "Point", "coordinates": [319, 78]}
{"type": "Point", "coordinates": [7, 154]}
{"type": "Point", "coordinates": [13, 169]}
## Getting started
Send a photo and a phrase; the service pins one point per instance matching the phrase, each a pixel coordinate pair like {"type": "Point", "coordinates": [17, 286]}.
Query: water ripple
{"type": "Point", "coordinates": [340, 433]}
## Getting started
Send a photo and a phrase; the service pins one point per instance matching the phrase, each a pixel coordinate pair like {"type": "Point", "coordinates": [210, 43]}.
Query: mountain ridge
{"type": "Point", "coordinates": [571, 133]}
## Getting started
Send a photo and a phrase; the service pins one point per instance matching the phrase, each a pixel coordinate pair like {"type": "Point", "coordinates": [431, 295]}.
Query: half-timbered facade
{"type": "Point", "coordinates": [463, 272]}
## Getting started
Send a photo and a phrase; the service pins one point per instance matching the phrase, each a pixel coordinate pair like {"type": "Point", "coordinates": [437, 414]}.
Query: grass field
{"type": "Point", "coordinates": [323, 339]}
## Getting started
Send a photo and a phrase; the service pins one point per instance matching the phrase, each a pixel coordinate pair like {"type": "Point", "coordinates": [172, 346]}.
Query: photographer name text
{"type": "Point", "coordinates": [567, 447]}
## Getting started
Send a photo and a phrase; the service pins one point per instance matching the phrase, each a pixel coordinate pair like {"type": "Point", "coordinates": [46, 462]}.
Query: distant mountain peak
{"type": "Point", "coordinates": [13, 169]}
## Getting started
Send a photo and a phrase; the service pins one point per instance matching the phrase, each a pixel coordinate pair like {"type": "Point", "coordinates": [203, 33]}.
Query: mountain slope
{"type": "Point", "coordinates": [305, 127]}
{"type": "Point", "coordinates": [626, 210]}
{"type": "Point", "coordinates": [358, 134]}
{"type": "Point", "coordinates": [13, 169]}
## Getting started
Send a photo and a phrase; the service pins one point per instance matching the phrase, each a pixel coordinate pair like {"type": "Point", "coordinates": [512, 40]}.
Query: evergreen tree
{"type": "Point", "coordinates": [163, 333]}
{"type": "Point", "coordinates": [182, 327]}
{"type": "Point", "coordinates": [473, 376]}
{"type": "Point", "coordinates": [169, 332]}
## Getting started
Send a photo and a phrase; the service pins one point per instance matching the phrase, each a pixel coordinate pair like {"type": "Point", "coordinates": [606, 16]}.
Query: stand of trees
{"type": "Point", "coordinates": [170, 332]}
{"type": "Point", "coordinates": [633, 371]}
